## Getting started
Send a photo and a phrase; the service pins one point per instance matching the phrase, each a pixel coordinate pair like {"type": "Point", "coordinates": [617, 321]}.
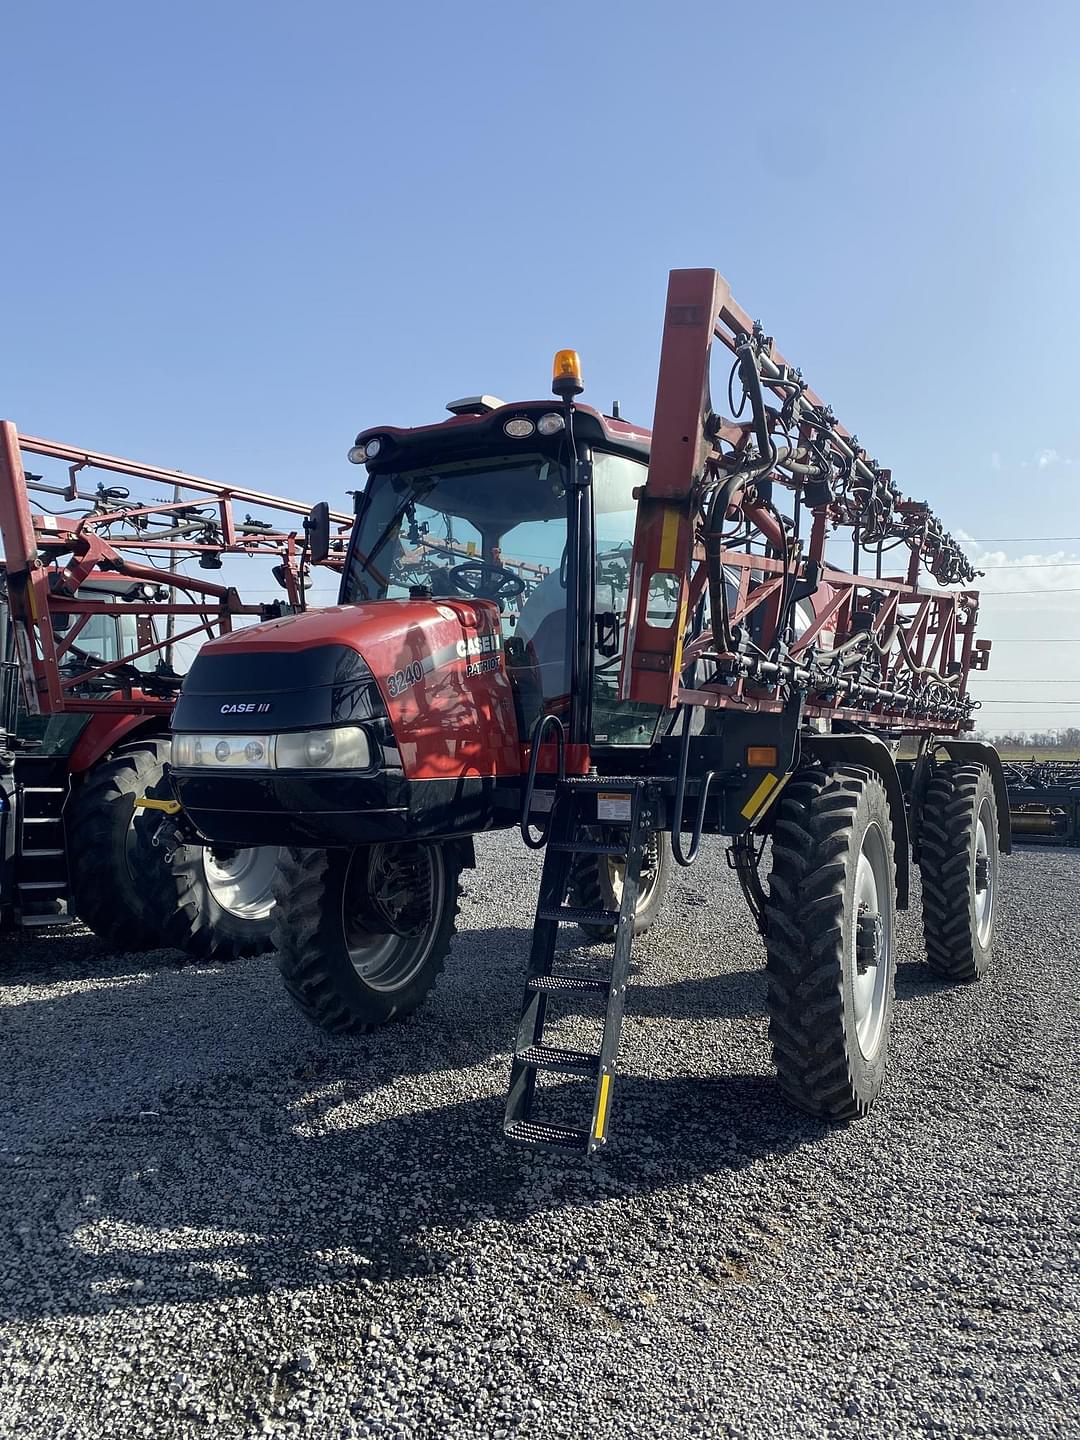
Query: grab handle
{"type": "Point", "coordinates": [537, 740]}
{"type": "Point", "coordinates": [688, 857]}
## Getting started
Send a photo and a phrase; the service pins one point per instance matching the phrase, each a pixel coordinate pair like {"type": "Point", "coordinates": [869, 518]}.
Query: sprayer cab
{"type": "Point", "coordinates": [483, 587]}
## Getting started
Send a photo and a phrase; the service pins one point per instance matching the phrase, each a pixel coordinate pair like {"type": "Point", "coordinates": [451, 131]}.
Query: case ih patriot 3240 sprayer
{"type": "Point", "coordinates": [684, 660]}
{"type": "Point", "coordinates": [94, 613]}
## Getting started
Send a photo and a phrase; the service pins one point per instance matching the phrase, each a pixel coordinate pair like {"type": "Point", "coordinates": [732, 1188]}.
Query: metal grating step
{"type": "Point", "coordinates": [536, 1132]}
{"type": "Point", "coordinates": [554, 1057]}
{"type": "Point", "coordinates": [567, 985]}
{"type": "Point", "coordinates": [617, 784]}
{"type": "Point", "coordinates": [588, 847]}
{"type": "Point", "coordinates": [576, 915]}
{"type": "Point", "coordinates": [34, 921]}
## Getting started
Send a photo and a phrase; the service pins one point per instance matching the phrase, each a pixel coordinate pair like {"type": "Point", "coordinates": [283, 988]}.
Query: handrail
{"type": "Point", "coordinates": [688, 857]}
{"type": "Point", "coordinates": [537, 739]}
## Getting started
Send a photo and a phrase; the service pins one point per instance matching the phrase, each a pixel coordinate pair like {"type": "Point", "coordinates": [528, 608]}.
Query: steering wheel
{"type": "Point", "coordinates": [487, 581]}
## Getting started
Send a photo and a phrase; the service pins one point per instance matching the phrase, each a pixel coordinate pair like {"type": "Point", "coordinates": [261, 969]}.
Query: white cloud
{"type": "Point", "coordinates": [1047, 457]}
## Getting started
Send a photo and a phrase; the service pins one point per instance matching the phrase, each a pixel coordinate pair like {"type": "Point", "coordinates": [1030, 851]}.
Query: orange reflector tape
{"type": "Point", "coordinates": [601, 1109]}
{"type": "Point", "coordinates": [762, 757]}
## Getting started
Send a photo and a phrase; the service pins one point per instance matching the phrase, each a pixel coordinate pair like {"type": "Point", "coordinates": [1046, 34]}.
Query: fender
{"type": "Point", "coordinates": [979, 753]}
{"type": "Point", "coordinates": [873, 754]}
{"type": "Point", "coordinates": [102, 733]}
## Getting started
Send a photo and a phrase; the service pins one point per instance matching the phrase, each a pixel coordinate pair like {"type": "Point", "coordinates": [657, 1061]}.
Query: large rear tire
{"type": "Point", "coordinates": [107, 891]}
{"type": "Point", "coordinates": [596, 882]}
{"type": "Point", "coordinates": [958, 859]}
{"type": "Point", "coordinates": [363, 934]}
{"type": "Point", "coordinates": [830, 916]}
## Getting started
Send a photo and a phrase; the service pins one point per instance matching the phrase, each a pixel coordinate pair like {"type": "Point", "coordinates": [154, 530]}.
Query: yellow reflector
{"type": "Point", "coordinates": [762, 757]}
{"type": "Point", "coordinates": [567, 366]}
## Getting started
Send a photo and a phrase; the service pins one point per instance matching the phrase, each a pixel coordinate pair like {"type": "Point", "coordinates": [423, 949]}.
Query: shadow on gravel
{"type": "Point", "coordinates": [47, 956]}
{"type": "Point", "coordinates": [250, 1154]}
{"type": "Point", "coordinates": [731, 996]}
{"type": "Point", "coordinates": [216, 1196]}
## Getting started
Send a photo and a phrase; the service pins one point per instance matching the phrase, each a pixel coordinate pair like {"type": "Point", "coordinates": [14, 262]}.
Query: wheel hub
{"type": "Point", "coordinates": [868, 937]}
{"type": "Point", "coordinates": [400, 889]}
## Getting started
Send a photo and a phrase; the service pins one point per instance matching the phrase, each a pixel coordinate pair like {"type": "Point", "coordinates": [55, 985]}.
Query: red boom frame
{"type": "Point", "coordinates": [901, 653]}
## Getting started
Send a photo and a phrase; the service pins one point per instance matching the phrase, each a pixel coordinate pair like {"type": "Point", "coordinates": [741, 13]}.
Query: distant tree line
{"type": "Point", "coordinates": [1033, 739]}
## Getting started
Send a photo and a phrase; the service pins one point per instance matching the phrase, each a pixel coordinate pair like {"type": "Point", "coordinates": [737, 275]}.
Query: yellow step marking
{"type": "Point", "coordinates": [601, 1113]}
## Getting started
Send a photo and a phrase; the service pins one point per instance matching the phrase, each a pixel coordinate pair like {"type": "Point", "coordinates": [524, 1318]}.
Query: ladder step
{"type": "Point", "coordinates": [588, 847]}
{"type": "Point", "coordinates": [567, 985]}
{"type": "Point", "coordinates": [617, 784]}
{"type": "Point", "coordinates": [33, 921]}
{"type": "Point", "coordinates": [41, 885]}
{"type": "Point", "coordinates": [40, 853]}
{"type": "Point", "coordinates": [554, 1057]}
{"type": "Point", "coordinates": [536, 1132]}
{"type": "Point", "coordinates": [42, 819]}
{"type": "Point", "coordinates": [43, 790]}
{"type": "Point", "coordinates": [575, 915]}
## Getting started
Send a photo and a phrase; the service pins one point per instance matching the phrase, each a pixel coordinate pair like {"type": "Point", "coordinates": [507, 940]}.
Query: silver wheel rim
{"type": "Point", "coordinates": [243, 883]}
{"type": "Point", "coordinates": [871, 942]}
{"type": "Point", "coordinates": [383, 960]}
{"type": "Point", "coordinates": [650, 873]}
{"type": "Point", "coordinates": [985, 873]}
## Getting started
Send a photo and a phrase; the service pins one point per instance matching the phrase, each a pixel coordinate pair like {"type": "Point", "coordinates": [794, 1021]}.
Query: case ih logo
{"type": "Point", "coordinates": [250, 709]}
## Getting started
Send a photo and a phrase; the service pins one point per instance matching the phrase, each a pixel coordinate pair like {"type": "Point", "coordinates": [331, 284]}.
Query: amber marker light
{"type": "Point", "coordinates": [762, 757]}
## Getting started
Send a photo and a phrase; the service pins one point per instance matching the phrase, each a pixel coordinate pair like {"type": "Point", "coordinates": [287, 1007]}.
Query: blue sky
{"type": "Point", "coordinates": [239, 232]}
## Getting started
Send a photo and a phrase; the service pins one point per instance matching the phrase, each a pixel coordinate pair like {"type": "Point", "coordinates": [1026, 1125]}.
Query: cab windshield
{"type": "Point", "coordinates": [495, 528]}
{"type": "Point", "coordinates": [492, 528]}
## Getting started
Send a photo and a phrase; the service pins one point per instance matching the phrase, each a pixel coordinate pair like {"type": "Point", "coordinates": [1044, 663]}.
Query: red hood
{"type": "Point", "coordinates": [361, 626]}
{"type": "Point", "coordinates": [440, 669]}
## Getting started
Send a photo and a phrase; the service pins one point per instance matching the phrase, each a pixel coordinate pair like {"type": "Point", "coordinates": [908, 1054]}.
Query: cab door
{"type": "Point", "coordinates": [615, 721]}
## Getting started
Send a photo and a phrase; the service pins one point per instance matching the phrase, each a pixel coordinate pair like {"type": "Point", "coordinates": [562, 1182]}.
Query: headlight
{"type": "Point", "coordinates": [345, 747]}
{"type": "Point", "coordinates": [360, 454]}
{"type": "Point", "coordinates": [550, 424]}
{"type": "Point", "coordinates": [519, 429]}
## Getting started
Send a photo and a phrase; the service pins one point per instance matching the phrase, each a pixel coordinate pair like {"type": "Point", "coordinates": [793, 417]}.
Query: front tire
{"type": "Point", "coordinates": [958, 859]}
{"type": "Point", "coordinates": [830, 948]}
{"type": "Point", "coordinates": [363, 934]}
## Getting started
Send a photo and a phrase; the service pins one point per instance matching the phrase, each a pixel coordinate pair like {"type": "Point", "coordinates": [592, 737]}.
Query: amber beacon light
{"type": "Point", "coordinates": [566, 374]}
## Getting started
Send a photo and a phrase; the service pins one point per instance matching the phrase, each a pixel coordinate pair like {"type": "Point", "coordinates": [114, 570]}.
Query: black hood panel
{"type": "Point", "coordinates": [272, 690]}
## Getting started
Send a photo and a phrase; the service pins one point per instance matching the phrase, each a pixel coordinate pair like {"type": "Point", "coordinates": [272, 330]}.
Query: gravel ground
{"type": "Point", "coordinates": [214, 1221]}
